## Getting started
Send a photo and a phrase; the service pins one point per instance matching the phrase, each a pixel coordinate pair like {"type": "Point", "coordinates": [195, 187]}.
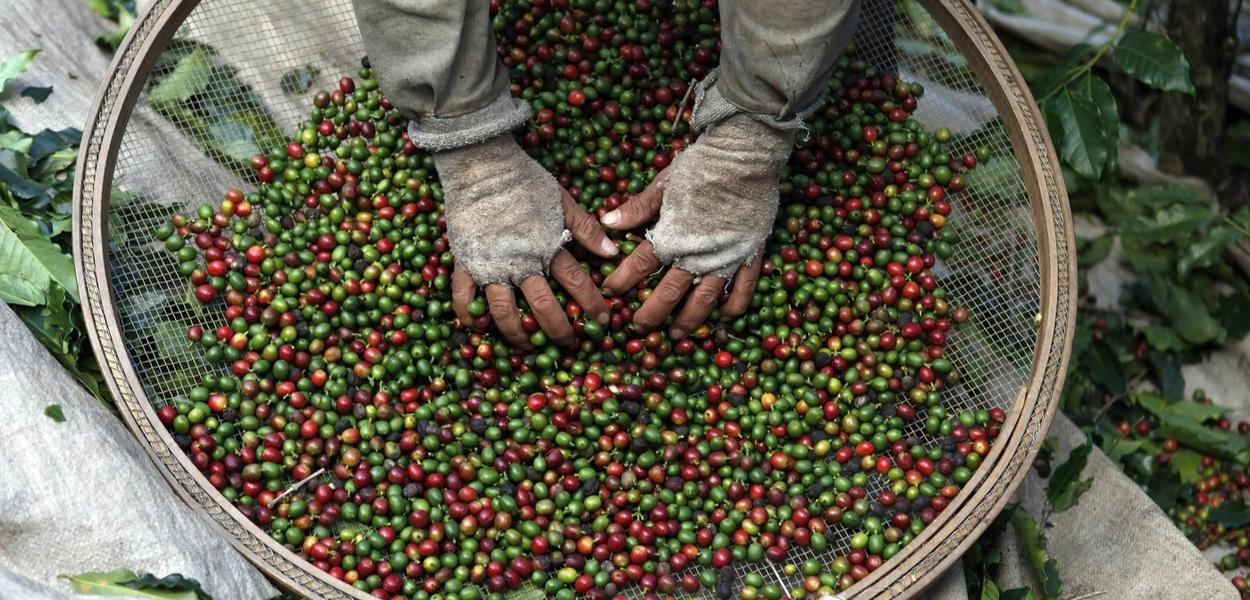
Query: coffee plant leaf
{"type": "Point", "coordinates": [1066, 486]}
{"type": "Point", "coordinates": [1187, 465]}
{"type": "Point", "coordinates": [1091, 251]}
{"type": "Point", "coordinates": [1161, 337]}
{"type": "Point", "coordinates": [1167, 375]}
{"type": "Point", "coordinates": [1076, 124]}
{"type": "Point", "coordinates": [1231, 514]}
{"type": "Point", "coordinates": [15, 65]}
{"type": "Point", "coordinates": [1206, 250]}
{"type": "Point", "coordinates": [114, 583]}
{"type": "Point", "coordinates": [1188, 314]}
{"type": "Point", "coordinates": [1154, 60]}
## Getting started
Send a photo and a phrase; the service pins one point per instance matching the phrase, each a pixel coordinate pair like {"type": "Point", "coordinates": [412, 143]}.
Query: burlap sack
{"type": "Point", "coordinates": [1115, 543]}
{"type": "Point", "coordinates": [81, 495]}
{"type": "Point", "coordinates": [15, 586]}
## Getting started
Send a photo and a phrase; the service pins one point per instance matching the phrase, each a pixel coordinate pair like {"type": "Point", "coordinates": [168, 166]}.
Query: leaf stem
{"type": "Point", "coordinates": [1102, 51]}
{"type": "Point", "coordinates": [1231, 222]}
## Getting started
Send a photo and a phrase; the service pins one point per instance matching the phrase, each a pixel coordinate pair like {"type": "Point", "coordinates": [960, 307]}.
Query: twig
{"type": "Point", "coordinates": [1102, 50]}
{"type": "Point", "coordinates": [685, 98]}
{"type": "Point", "coordinates": [295, 486]}
{"type": "Point", "coordinates": [1088, 596]}
{"type": "Point", "coordinates": [1132, 315]}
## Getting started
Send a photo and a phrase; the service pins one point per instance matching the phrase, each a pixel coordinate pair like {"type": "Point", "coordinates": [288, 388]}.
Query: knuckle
{"type": "Point", "coordinates": [644, 262]}
{"type": "Point", "coordinates": [542, 301]}
{"type": "Point", "coordinates": [583, 225]}
{"type": "Point", "coordinates": [501, 307]}
{"type": "Point", "coordinates": [667, 292]}
{"type": "Point", "coordinates": [705, 295]}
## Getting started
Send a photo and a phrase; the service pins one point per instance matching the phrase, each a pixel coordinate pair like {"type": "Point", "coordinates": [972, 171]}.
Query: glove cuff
{"type": "Point", "coordinates": [502, 115]}
{"type": "Point", "coordinates": [712, 107]}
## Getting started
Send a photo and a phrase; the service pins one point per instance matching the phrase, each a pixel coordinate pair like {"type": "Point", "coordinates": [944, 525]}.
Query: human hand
{"type": "Point", "coordinates": [716, 202]}
{"type": "Point", "coordinates": [507, 220]}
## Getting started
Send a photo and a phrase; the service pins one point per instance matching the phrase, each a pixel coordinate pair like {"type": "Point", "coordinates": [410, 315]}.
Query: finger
{"type": "Point", "coordinates": [462, 291]}
{"type": "Point", "coordinates": [503, 311]}
{"type": "Point", "coordinates": [745, 279]}
{"type": "Point", "coordinates": [546, 310]}
{"type": "Point", "coordinates": [699, 305]}
{"type": "Point", "coordinates": [585, 229]}
{"type": "Point", "coordinates": [641, 208]}
{"type": "Point", "coordinates": [578, 284]}
{"type": "Point", "coordinates": [663, 300]}
{"type": "Point", "coordinates": [637, 266]}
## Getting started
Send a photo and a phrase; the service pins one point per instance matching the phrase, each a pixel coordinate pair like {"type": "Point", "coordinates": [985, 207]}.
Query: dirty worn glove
{"type": "Point", "coordinates": [720, 197]}
{"type": "Point", "coordinates": [504, 218]}
{"type": "Point", "coordinates": [507, 219]}
{"type": "Point", "coordinates": [716, 204]}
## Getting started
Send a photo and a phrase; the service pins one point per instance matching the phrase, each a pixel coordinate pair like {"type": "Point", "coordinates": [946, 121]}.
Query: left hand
{"type": "Point", "coordinates": [716, 206]}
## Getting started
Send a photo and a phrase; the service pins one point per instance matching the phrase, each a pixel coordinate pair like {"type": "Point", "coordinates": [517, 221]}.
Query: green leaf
{"type": "Point", "coordinates": [53, 324]}
{"type": "Point", "coordinates": [1116, 448]}
{"type": "Point", "coordinates": [175, 582]}
{"type": "Point", "coordinates": [16, 65]}
{"type": "Point", "coordinates": [54, 412]}
{"type": "Point", "coordinates": [38, 94]}
{"type": "Point", "coordinates": [1168, 411]}
{"type": "Point", "coordinates": [1066, 486]}
{"type": "Point", "coordinates": [1052, 585]}
{"type": "Point", "coordinates": [1073, 62]}
{"type": "Point", "coordinates": [1161, 337]}
{"type": "Point", "coordinates": [1235, 314]}
{"type": "Point", "coordinates": [29, 266]}
{"type": "Point", "coordinates": [22, 225]}
{"type": "Point", "coordinates": [189, 78]}
{"type": "Point", "coordinates": [171, 343]}
{"type": "Point", "coordinates": [1194, 434]}
{"type": "Point", "coordinates": [1076, 124]}
{"type": "Point", "coordinates": [1187, 464]}
{"type": "Point", "coordinates": [1091, 251]}
{"type": "Point", "coordinates": [13, 173]}
{"type": "Point", "coordinates": [1171, 223]}
{"type": "Point", "coordinates": [1044, 567]}
{"type": "Point", "coordinates": [298, 80]}
{"type": "Point", "coordinates": [1154, 60]}
{"type": "Point", "coordinates": [47, 142]}
{"type": "Point", "coordinates": [1232, 514]}
{"type": "Point", "coordinates": [113, 583]}
{"type": "Point", "coordinates": [100, 7]}
{"type": "Point", "coordinates": [1189, 316]}
{"type": "Point", "coordinates": [1206, 249]}
{"type": "Point", "coordinates": [34, 260]}
{"type": "Point", "coordinates": [113, 39]}
{"type": "Point", "coordinates": [989, 590]}
{"type": "Point", "coordinates": [1108, 115]}
{"type": "Point", "coordinates": [1020, 593]}
{"type": "Point", "coordinates": [1168, 375]}
{"type": "Point", "coordinates": [1104, 369]}
{"type": "Point", "coordinates": [16, 141]}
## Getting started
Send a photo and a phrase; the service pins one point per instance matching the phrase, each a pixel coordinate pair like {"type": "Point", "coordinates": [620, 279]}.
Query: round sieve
{"type": "Point", "coordinates": [252, 68]}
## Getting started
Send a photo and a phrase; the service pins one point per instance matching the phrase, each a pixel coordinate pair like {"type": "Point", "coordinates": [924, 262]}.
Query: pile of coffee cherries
{"type": "Point", "coordinates": [1222, 485]}
{"type": "Point", "coordinates": [413, 456]}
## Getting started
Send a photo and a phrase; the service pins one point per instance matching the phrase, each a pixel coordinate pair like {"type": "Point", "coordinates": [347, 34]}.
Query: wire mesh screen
{"type": "Point", "coordinates": [238, 79]}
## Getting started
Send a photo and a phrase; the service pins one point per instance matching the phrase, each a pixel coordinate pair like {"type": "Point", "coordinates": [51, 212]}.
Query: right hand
{"type": "Point", "coordinates": [506, 221]}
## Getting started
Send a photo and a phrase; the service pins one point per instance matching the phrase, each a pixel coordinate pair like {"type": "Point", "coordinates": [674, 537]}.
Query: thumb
{"type": "Point", "coordinates": [585, 230]}
{"type": "Point", "coordinates": [642, 208]}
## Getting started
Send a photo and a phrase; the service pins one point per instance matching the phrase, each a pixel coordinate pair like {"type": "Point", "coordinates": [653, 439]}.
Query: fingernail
{"type": "Point", "coordinates": [604, 318]}
{"type": "Point", "coordinates": [609, 247]}
{"type": "Point", "coordinates": [611, 218]}
{"type": "Point", "coordinates": [677, 334]}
